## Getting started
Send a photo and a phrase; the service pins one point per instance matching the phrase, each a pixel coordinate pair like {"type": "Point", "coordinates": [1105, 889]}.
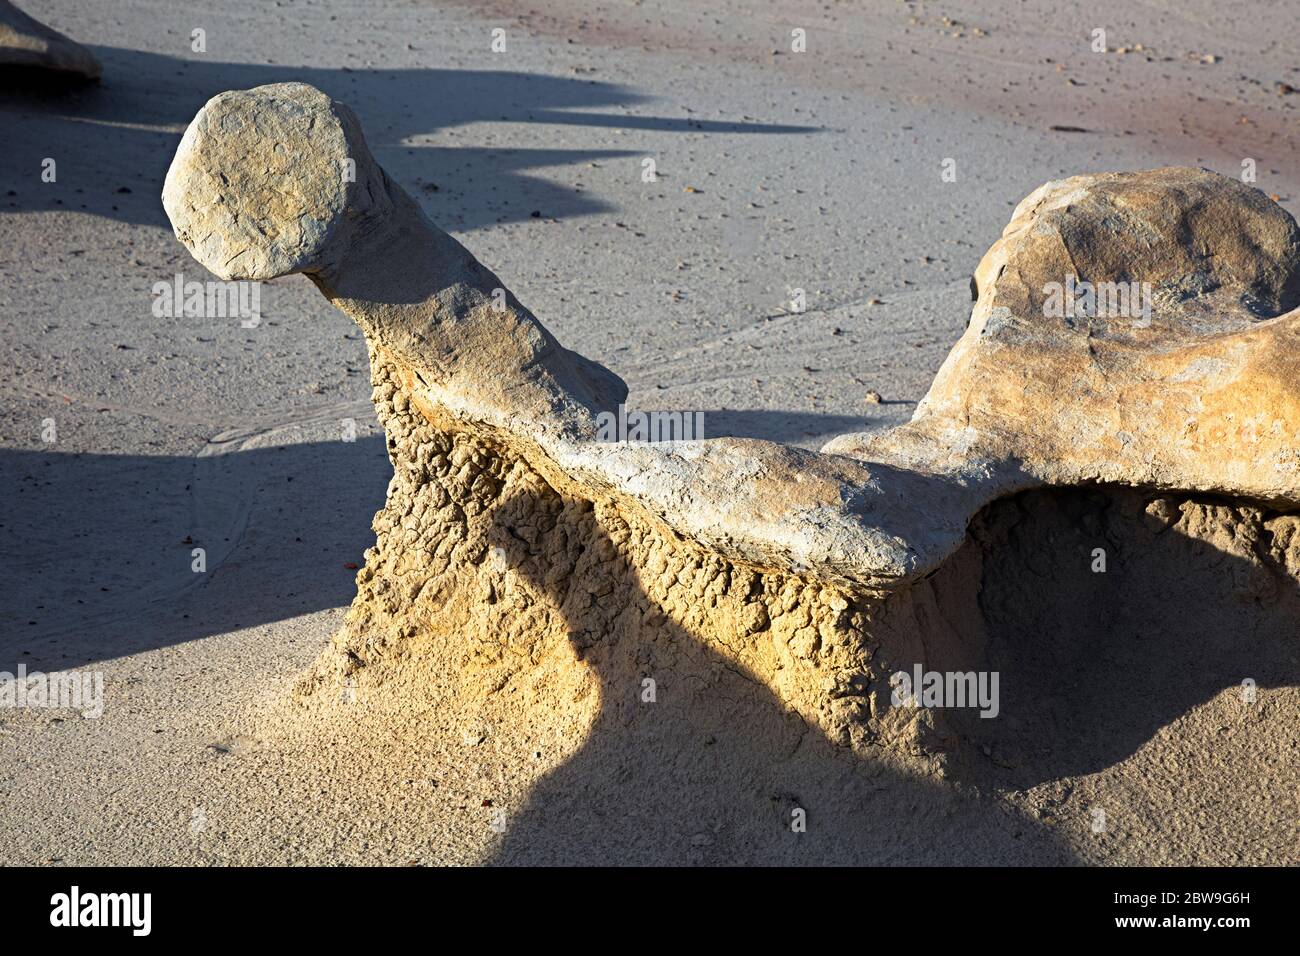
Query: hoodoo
{"type": "Point", "coordinates": [961, 541]}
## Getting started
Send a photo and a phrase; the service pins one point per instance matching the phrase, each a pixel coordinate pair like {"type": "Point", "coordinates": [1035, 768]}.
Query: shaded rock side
{"type": "Point", "coordinates": [26, 43]}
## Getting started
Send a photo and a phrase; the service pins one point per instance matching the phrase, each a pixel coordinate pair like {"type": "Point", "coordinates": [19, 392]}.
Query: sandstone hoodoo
{"type": "Point", "coordinates": [1158, 427]}
{"type": "Point", "coordinates": [26, 43]}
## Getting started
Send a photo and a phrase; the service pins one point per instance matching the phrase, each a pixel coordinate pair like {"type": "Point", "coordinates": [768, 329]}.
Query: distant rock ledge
{"type": "Point", "coordinates": [26, 43]}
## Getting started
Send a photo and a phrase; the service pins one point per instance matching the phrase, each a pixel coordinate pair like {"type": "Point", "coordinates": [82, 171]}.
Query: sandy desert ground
{"type": "Point", "coordinates": [820, 170]}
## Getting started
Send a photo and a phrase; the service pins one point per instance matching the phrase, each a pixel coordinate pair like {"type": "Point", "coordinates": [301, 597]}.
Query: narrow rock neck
{"type": "Point", "coordinates": [419, 293]}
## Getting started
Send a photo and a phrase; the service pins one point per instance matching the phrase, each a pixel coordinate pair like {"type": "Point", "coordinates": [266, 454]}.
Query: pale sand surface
{"type": "Point", "coordinates": [819, 170]}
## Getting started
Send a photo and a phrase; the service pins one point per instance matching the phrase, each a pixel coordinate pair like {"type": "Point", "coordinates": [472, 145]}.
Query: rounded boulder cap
{"type": "Point", "coordinates": [262, 181]}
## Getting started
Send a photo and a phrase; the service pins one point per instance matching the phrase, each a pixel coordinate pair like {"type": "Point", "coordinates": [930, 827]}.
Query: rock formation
{"type": "Point", "coordinates": [26, 43]}
{"type": "Point", "coordinates": [1161, 422]}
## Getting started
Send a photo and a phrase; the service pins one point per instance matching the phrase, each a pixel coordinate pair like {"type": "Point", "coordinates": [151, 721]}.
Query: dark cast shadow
{"type": "Point", "coordinates": [1092, 663]}
{"type": "Point", "coordinates": [96, 551]}
{"type": "Point", "coordinates": [714, 770]}
{"type": "Point", "coordinates": [1092, 666]}
{"type": "Point", "coordinates": [114, 140]}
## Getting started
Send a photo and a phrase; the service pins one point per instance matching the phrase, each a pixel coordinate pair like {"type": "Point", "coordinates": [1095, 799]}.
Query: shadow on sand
{"type": "Point", "coordinates": [114, 141]}
{"type": "Point", "coordinates": [98, 549]}
{"type": "Point", "coordinates": [1092, 665]}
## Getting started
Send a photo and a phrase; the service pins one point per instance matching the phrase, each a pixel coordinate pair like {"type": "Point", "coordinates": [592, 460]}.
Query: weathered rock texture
{"type": "Point", "coordinates": [1196, 394]}
{"type": "Point", "coordinates": [511, 534]}
{"type": "Point", "coordinates": [27, 43]}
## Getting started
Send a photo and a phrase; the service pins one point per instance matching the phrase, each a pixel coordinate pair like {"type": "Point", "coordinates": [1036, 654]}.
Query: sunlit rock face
{"type": "Point", "coordinates": [1134, 328]}
{"type": "Point", "coordinates": [1123, 398]}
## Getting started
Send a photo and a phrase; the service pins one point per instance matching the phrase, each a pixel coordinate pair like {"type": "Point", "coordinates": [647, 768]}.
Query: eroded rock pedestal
{"type": "Point", "coordinates": [542, 565]}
